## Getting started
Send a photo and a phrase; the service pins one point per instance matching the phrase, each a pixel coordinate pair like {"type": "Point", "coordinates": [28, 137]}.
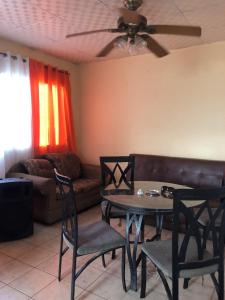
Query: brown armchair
{"type": "Point", "coordinates": [46, 200]}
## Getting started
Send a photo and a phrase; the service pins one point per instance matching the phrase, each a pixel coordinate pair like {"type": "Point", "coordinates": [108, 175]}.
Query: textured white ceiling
{"type": "Point", "coordinates": [43, 24]}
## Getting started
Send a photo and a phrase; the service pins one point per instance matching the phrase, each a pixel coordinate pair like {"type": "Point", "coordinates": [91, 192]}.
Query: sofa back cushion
{"type": "Point", "coordinates": [38, 167]}
{"type": "Point", "coordinates": [184, 171]}
{"type": "Point", "coordinates": [67, 164]}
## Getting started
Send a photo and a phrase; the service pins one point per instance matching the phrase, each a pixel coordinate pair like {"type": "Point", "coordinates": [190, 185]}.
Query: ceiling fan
{"type": "Point", "coordinates": [134, 26]}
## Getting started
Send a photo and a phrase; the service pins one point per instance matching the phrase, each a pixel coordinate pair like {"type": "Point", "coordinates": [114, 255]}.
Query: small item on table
{"type": "Point", "coordinates": [153, 193]}
{"type": "Point", "coordinates": [167, 191]}
{"type": "Point", "coordinates": [140, 192]}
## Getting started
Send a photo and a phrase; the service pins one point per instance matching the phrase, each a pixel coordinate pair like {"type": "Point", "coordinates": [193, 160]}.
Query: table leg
{"type": "Point", "coordinates": [137, 220]}
{"type": "Point", "coordinates": [159, 224]}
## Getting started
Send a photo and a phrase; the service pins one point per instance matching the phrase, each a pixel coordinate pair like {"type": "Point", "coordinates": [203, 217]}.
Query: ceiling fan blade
{"type": "Point", "coordinates": [154, 46]}
{"type": "Point", "coordinates": [174, 29]}
{"type": "Point", "coordinates": [130, 16]}
{"type": "Point", "coordinates": [92, 31]}
{"type": "Point", "coordinates": [110, 46]}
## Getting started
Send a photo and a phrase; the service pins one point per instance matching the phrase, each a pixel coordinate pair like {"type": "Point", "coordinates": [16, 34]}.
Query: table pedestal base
{"type": "Point", "coordinates": [138, 221]}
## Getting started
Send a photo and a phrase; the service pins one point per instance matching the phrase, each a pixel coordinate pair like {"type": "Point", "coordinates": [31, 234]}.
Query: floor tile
{"type": "Point", "coordinates": [15, 248]}
{"type": "Point", "coordinates": [86, 278]}
{"type": "Point", "coordinates": [198, 292]}
{"type": "Point", "coordinates": [88, 296]}
{"type": "Point", "coordinates": [57, 291]}
{"type": "Point", "coordinates": [8, 293]}
{"type": "Point", "coordinates": [96, 282]}
{"type": "Point", "coordinates": [51, 265]}
{"type": "Point", "coordinates": [97, 264]}
{"type": "Point", "coordinates": [42, 234]}
{"type": "Point", "coordinates": [36, 256]}
{"type": "Point", "coordinates": [52, 245]}
{"type": "Point", "coordinates": [13, 270]}
{"type": "Point", "coordinates": [39, 238]}
{"type": "Point", "coordinates": [110, 287]}
{"type": "Point", "coordinates": [32, 282]}
{"type": "Point", "coordinates": [4, 259]}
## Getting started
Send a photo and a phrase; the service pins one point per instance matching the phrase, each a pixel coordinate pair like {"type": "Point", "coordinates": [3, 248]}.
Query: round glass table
{"type": "Point", "coordinates": [144, 199]}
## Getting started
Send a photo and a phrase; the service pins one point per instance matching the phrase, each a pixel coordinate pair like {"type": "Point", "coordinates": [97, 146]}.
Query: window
{"type": "Point", "coordinates": [15, 112]}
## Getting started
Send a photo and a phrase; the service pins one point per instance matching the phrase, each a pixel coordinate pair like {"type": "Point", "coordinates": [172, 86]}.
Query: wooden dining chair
{"type": "Point", "coordinates": [117, 177]}
{"type": "Point", "coordinates": [97, 238]}
{"type": "Point", "coordinates": [190, 255]}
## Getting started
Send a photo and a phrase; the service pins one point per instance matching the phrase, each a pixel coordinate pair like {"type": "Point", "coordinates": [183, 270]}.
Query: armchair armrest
{"type": "Point", "coordinates": [45, 186]}
{"type": "Point", "coordinates": [91, 171]}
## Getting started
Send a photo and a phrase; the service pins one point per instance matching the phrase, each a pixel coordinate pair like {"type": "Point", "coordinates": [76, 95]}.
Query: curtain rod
{"type": "Point", "coordinates": [24, 60]}
{"type": "Point", "coordinates": [12, 56]}
{"type": "Point", "coordinates": [54, 68]}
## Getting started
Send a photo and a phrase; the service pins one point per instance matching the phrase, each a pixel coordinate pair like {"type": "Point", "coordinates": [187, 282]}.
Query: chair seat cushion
{"type": "Point", "coordinates": [160, 253]}
{"type": "Point", "coordinates": [114, 212]}
{"type": "Point", "coordinates": [96, 238]}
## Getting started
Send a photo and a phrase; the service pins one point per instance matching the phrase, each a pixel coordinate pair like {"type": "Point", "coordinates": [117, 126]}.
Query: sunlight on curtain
{"type": "Point", "coordinates": [44, 114]}
{"type": "Point", "coordinates": [56, 113]}
{"type": "Point", "coordinates": [15, 111]}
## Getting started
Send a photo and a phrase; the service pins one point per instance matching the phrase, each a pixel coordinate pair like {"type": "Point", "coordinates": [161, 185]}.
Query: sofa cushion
{"type": "Point", "coordinates": [67, 164]}
{"type": "Point", "coordinates": [38, 167]}
{"type": "Point", "coordinates": [84, 184]}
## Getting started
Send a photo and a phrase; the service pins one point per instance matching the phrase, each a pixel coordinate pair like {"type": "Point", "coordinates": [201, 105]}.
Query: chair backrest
{"type": "Point", "coordinates": [118, 172]}
{"type": "Point", "coordinates": [69, 210]}
{"type": "Point", "coordinates": [196, 232]}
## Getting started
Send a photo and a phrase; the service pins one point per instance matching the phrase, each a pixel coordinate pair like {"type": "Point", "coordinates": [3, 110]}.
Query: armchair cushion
{"type": "Point", "coordinates": [38, 167]}
{"type": "Point", "coordinates": [84, 184]}
{"type": "Point", "coordinates": [67, 164]}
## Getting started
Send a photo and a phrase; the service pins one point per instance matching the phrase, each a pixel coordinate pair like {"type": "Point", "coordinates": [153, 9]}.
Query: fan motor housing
{"type": "Point", "coordinates": [132, 4]}
{"type": "Point", "coordinates": [122, 24]}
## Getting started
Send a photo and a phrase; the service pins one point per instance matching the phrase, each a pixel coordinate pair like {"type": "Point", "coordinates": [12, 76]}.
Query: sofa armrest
{"type": "Point", "coordinates": [45, 186]}
{"type": "Point", "coordinates": [90, 171]}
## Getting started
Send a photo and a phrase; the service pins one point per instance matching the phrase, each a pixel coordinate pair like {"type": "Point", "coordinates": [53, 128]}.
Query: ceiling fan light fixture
{"type": "Point", "coordinates": [120, 43]}
{"type": "Point", "coordinates": [131, 45]}
{"type": "Point", "coordinates": [140, 42]}
{"type": "Point", "coordinates": [135, 45]}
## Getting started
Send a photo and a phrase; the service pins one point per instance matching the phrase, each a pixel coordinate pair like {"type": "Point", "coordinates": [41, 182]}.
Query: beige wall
{"type": "Point", "coordinates": [171, 106]}
{"type": "Point", "coordinates": [16, 48]}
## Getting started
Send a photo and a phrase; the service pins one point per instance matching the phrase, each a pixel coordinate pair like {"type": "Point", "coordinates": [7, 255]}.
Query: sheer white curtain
{"type": "Point", "coordinates": [15, 111]}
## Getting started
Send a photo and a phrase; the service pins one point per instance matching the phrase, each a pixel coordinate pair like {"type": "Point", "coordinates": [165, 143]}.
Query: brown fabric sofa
{"type": "Point", "coordinates": [184, 171]}
{"type": "Point", "coordinates": [47, 206]}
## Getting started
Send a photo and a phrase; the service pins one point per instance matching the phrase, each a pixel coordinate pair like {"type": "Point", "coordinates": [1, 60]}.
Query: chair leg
{"type": "Point", "coordinates": [175, 289]}
{"type": "Point", "coordinates": [186, 281]}
{"type": "Point", "coordinates": [130, 229]}
{"type": "Point", "coordinates": [165, 283]}
{"type": "Point", "coordinates": [73, 277]}
{"type": "Point", "coordinates": [113, 254]}
{"type": "Point", "coordinates": [103, 261]}
{"type": "Point", "coordinates": [221, 284]}
{"type": "Point", "coordinates": [123, 269]}
{"type": "Point", "coordinates": [143, 232]}
{"type": "Point", "coordinates": [60, 257]}
{"type": "Point", "coordinates": [143, 275]}
{"type": "Point", "coordinates": [159, 225]}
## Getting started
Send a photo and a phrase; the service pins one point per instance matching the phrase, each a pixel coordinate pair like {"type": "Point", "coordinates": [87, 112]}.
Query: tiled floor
{"type": "Point", "coordinates": [28, 270]}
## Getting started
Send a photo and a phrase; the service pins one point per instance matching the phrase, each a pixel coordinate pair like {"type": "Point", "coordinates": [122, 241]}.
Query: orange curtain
{"type": "Point", "coordinates": [51, 110]}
